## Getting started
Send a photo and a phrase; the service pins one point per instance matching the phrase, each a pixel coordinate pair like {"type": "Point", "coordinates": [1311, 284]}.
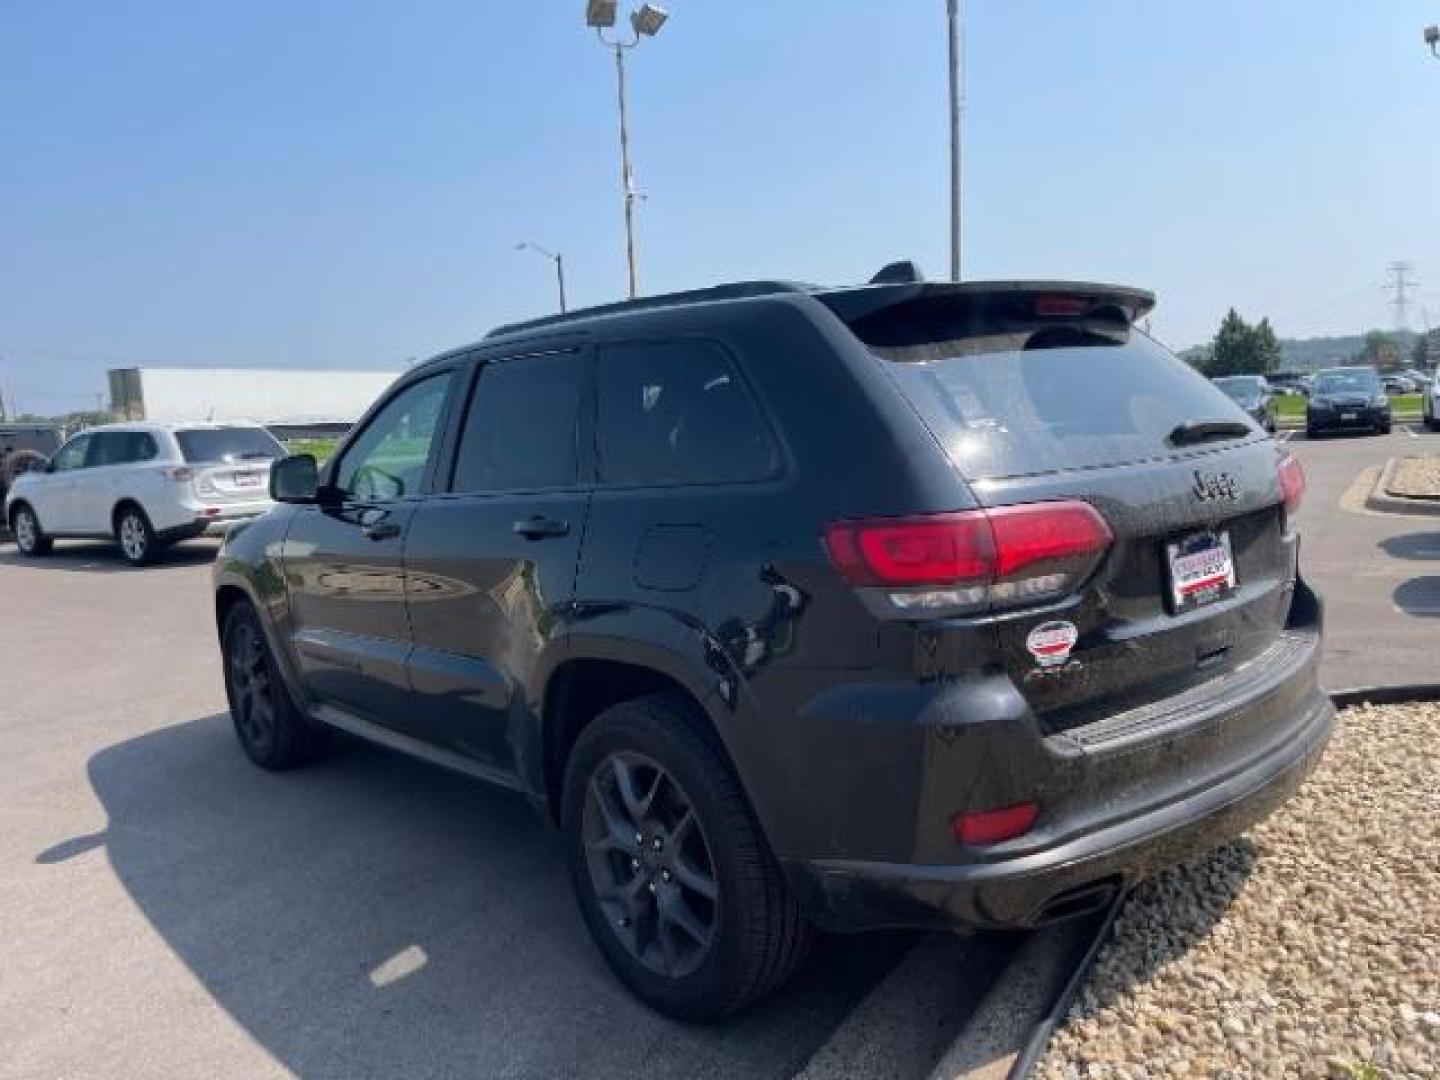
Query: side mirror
{"type": "Point", "coordinates": [295, 479]}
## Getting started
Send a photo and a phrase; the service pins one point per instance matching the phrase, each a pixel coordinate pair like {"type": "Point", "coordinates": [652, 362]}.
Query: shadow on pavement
{"type": "Point", "coordinates": [101, 557]}
{"type": "Point", "coordinates": [1419, 596]}
{"type": "Point", "coordinates": [1416, 545]}
{"type": "Point", "coordinates": [373, 916]}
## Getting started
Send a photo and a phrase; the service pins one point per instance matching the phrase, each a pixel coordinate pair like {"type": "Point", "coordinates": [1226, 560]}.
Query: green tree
{"type": "Point", "coordinates": [1232, 352]}
{"type": "Point", "coordinates": [1268, 354]}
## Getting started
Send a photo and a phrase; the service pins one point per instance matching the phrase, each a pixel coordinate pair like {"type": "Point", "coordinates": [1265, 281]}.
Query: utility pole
{"type": "Point", "coordinates": [953, 14]}
{"type": "Point", "coordinates": [1399, 283]}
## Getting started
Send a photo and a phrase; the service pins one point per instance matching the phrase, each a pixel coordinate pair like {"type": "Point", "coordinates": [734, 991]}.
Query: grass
{"type": "Point", "coordinates": [1292, 407]}
{"type": "Point", "coordinates": [320, 448]}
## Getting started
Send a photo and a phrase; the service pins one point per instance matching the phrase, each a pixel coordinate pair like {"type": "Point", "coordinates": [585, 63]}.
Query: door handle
{"type": "Point", "coordinates": [538, 528]}
{"type": "Point", "coordinates": [380, 530]}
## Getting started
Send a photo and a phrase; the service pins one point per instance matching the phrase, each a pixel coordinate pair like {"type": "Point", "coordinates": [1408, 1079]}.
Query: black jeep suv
{"type": "Point", "coordinates": [907, 604]}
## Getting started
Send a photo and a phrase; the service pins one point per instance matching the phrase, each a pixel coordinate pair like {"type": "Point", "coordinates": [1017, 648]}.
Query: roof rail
{"type": "Point", "coordinates": [738, 290]}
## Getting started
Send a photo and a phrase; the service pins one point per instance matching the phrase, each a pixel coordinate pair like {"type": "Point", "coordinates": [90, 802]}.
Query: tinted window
{"type": "Point", "coordinates": [1053, 398]}
{"type": "Point", "coordinates": [1243, 389]}
{"type": "Point", "coordinates": [228, 444]}
{"type": "Point", "coordinates": [520, 428]}
{"type": "Point", "coordinates": [121, 448]}
{"type": "Point", "coordinates": [72, 454]}
{"type": "Point", "coordinates": [387, 460]}
{"type": "Point", "coordinates": [676, 412]}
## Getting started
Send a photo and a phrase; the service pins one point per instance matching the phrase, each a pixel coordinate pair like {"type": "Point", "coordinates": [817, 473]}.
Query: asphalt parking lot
{"type": "Point", "coordinates": [170, 911]}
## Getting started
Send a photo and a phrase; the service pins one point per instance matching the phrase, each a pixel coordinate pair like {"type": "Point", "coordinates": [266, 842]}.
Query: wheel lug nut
{"type": "Point", "coordinates": [634, 864]}
{"type": "Point", "coordinates": [639, 838]}
{"type": "Point", "coordinates": [657, 843]}
{"type": "Point", "coordinates": [665, 876]}
{"type": "Point", "coordinates": [622, 922]}
{"type": "Point", "coordinates": [652, 886]}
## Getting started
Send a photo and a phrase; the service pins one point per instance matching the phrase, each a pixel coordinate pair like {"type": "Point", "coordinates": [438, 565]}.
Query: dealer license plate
{"type": "Point", "coordinates": [1202, 569]}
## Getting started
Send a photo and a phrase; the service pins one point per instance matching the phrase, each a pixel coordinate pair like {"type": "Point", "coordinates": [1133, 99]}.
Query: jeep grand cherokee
{"type": "Point", "coordinates": [907, 604]}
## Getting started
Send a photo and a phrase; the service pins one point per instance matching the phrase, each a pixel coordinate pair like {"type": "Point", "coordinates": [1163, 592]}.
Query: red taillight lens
{"type": "Point", "coordinates": [992, 826]}
{"type": "Point", "coordinates": [1027, 552]}
{"type": "Point", "coordinates": [1292, 482]}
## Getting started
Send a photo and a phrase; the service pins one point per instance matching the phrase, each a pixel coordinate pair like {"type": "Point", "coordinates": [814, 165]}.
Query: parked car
{"type": "Point", "coordinates": [1288, 382]}
{"type": "Point", "coordinates": [24, 448]}
{"type": "Point", "coordinates": [146, 485]}
{"type": "Point", "coordinates": [1431, 393]}
{"type": "Point", "coordinates": [1347, 399]}
{"type": "Point", "coordinates": [1398, 384]}
{"type": "Point", "coordinates": [1252, 393]}
{"type": "Point", "coordinates": [948, 606]}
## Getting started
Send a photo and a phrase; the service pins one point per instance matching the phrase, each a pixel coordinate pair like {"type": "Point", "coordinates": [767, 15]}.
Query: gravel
{"type": "Point", "coordinates": [1415, 478]}
{"type": "Point", "coordinates": [1308, 948]}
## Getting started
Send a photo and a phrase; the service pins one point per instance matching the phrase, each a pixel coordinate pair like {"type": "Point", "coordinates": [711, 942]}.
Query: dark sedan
{"type": "Point", "coordinates": [1347, 399]}
{"type": "Point", "coordinates": [1253, 394]}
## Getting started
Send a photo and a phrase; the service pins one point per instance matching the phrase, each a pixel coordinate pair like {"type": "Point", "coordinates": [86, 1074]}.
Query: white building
{"type": "Point", "coordinates": [294, 402]}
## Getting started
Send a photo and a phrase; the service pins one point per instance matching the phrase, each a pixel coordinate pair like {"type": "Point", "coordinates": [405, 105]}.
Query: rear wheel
{"type": "Point", "coordinates": [672, 874]}
{"type": "Point", "coordinates": [29, 537]}
{"type": "Point", "coordinates": [135, 535]}
{"type": "Point", "coordinates": [273, 733]}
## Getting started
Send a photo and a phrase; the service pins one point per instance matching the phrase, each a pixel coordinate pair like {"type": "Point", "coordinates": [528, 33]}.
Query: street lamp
{"type": "Point", "coordinates": [557, 258]}
{"type": "Point", "coordinates": [645, 21]}
{"type": "Point", "coordinates": [952, 12]}
{"type": "Point", "coordinates": [1432, 38]}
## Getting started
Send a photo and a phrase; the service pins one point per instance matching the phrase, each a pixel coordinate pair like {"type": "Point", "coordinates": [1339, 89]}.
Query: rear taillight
{"type": "Point", "coordinates": [974, 558]}
{"type": "Point", "coordinates": [1292, 482]}
{"type": "Point", "coordinates": [181, 474]}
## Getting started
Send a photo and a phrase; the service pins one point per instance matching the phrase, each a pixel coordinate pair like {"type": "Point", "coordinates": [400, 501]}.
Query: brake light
{"type": "Point", "coordinates": [181, 474]}
{"type": "Point", "coordinates": [972, 558]}
{"type": "Point", "coordinates": [1292, 482]}
{"type": "Point", "coordinates": [1052, 305]}
{"type": "Point", "coordinates": [992, 826]}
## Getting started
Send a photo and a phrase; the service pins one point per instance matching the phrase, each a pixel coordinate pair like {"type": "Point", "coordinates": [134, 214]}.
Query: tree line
{"type": "Point", "coordinates": [1242, 348]}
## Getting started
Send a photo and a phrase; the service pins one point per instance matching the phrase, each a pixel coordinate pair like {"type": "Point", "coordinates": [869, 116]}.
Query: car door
{"type": "Point", "coordinates": [53, 495]}
{"type": "Point", "coordinates": [343, 557]}
{"type": "Point", "coordinates": [93, 490]}
{"type": "Point", "coordinates": [490, 561]}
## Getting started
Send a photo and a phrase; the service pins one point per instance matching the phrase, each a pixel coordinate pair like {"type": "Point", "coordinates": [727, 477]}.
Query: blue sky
{"type": "Point", "coordinates": [341, 184]}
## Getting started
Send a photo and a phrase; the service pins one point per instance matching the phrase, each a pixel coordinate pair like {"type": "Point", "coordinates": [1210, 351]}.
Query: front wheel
{"type": "Point", "coordinates": [272, 731]}
{"type": "Point", "coordinates": [29, 537]}
{"type": "Point", "coordinates": [673, 877]}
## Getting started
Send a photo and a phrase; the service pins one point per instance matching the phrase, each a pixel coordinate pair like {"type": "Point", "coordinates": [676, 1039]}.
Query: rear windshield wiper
{"type": "Point", "coordinates": [1195, 431]}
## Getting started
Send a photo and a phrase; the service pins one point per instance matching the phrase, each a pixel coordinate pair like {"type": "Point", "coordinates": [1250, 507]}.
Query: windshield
{"type": "Point", "coordinates": [227, 445]}
{"type": "Point", "coordinates": [1347, 382]}
{"type": "Point", "coordinates": [1050, 405]}
{"type": "Point", "coordinates": [1245, 391]}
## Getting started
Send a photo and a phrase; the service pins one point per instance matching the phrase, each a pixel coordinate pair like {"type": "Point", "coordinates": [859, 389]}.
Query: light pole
{"type": "Point", "coordinates": [952, 11]}
{"type": "Point", "coordinates": [1432, 38]}
{"type": "Point", "coordinates": [554, 256]}
{"type": "Point", "coordinates": [645, 21]}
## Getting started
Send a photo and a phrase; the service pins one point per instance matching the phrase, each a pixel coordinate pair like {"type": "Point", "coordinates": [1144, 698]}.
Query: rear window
{"type": "Point", "coordinates": [1243, 390]}
{"type": "Point", "coordinates": [206, 445]}
{"type": "Point", "coordinates": [1046, 398]}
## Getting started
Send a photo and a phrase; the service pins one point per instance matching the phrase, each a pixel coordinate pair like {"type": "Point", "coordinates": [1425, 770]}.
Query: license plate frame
{"type": "Point", "coordinates": [245, 480]}
{"type": "Point", "coordinates": [1346, 417]}
{"type": "Point", "coordinates": [1199, 569]}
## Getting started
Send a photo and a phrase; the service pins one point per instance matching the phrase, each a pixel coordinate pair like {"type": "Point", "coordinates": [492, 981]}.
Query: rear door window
{"type": "Point", "coordinates": [520, 427]}
{"type": "Point", "coordinates": [228, 445]}
{"type": "Point", "coordinates": [676, 412]}
{"type": "Point", "coordinates": [72, 454]}
{"type": "Point", "coordinates": [1049, 398]}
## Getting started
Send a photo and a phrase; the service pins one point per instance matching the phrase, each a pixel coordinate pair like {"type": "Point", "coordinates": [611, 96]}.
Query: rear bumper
{"type": "Point", "coordinates": [1138, 797]}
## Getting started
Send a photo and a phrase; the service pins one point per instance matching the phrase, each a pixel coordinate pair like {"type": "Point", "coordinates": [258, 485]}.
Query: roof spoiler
{"type": "Point", "coordinates": [1053, 299]}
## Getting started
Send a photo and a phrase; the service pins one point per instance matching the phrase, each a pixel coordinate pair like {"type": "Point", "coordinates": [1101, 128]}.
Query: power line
{"type": "Point", "coordinates": [1399, 282]}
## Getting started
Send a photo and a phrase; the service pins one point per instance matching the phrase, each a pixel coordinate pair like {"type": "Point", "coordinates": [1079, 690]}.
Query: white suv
{"type": "Point", "coordinates": [147, 485]}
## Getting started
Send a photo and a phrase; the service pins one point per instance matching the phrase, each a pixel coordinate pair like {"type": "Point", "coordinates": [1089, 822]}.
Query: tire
{"type": "Point", "coordinates": [29, 537]}
{"type": "Point", "coordinates": [272, 730]}
{"type": "Point", "coordinates": [136, 536]}
{"type": "Point", "coordinates": [1311, 433]}
{"type": "Point", "coordinates": [1384, 429]}
{"type": "Point", "coordinates": [753, 935]}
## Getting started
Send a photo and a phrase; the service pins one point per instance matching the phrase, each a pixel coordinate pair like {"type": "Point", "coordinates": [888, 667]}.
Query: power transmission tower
{"type": "Point", "coordinates": [1399, 283]}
